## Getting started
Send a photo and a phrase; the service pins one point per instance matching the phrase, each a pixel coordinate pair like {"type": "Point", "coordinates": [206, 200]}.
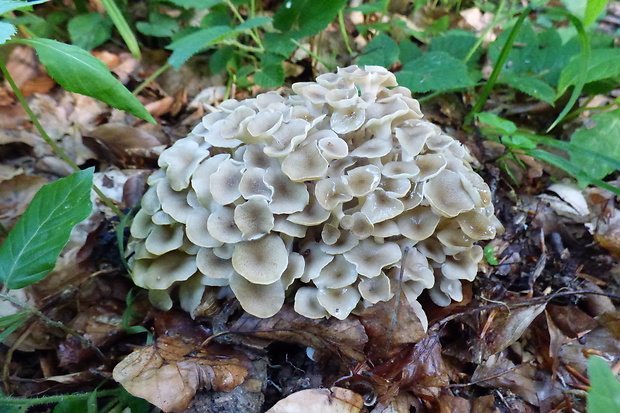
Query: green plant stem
{"type": "Point", "coordinates": [501, 60]}
{"type": "Point", "coordinates": [343, 30]}
{"type": "Point", "coordinates": [123, 27]}
{"type": "Point", "coordinates": [18, 401]}
{"type": "Point", "coordinates": [250, 49]}
{"type": "Point", "coordinates": [149, 79]}
{"type": "Point", "coordinates": [253, 32]}
{"type": "Point", "coordinates": [57, 149]}
{"type": "Point", "coordinates": [496, 19]}
{"type": "Point", "coordinates": [85, 342]}
{"type": "Point", "coordinates": [317, 58]}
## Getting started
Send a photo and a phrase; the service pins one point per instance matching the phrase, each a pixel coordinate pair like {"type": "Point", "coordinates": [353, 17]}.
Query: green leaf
{"type": "Point", "coordinates": [32, 247]}
{"type": "Point", "coordinates": [495, 121]}
{"type": "Point", "coordinates": [435, 71]}
{"type": "Point", "coordinates": [532, 86]}
{"type": "Point", "coordinates": [604, 392]}
{"type": "Point", "coordinates": [303, 18]}
{"type": "Point", "coordinates": [7, 6]}
{"type": "Point", "coordinates": [381, 51]}
{"type": "Point", "coordinates": [77, 71]}
{"type": "Point", "coordinates": [603, 138]}
{"type": "Point", "coordinates": [221, 59]}
{"type": "Point", "coordinates": [89, 30]}
{"type": "Point", "coordinates": [196, 4]}
{"type": "Point", "coordinates": [254, 22]}
{"type": "Point", "coordinates": [159, 25]}
{"type": "Point", "coordinates": [12, 322]}
{"type": "Point", "coordinates": [271, 75]}
{"type": "Point", "coordinates": [279, 43]}
{"type": "Point", "coordinates": [189, 45]}
{"type": "Point", "coordinates": [6, 32]}
{"type": "Point", "coordinates": [122, 26]}
{"type": "Point", "coordinates": [379, 6]}
{"type": "Point", "coordinates": [604, 64]}
{"type": "Point", "coordinates": [593, 10]}
{"type": "Point", "coordinates": [409, 51]}
{"type": "Point", "coordinates": [457, 43]}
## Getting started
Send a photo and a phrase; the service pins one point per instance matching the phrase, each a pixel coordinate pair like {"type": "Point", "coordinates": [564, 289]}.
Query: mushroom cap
{"type": "Point", "coordinates": [252, 184]}
{"type": "Point", "coordinates": [370, 257]}
{"type": "Point", "coordinates": [332, 192]}
{"type": "Point", "coordinates": [221, 225]}
{"type": "Point", "coordinates": [224, 183]}
{"type": "Point", "coordinates": [305, 163]}
{"type": "Point", "coordinates": [418, 224]}
{"type": "Point", "coordinates": [307, 303]}
{"type": "Point", "coordinates": [288, 197]}
{"type": "Point", "coordinates": [339, 302]}
{"type": "Point", "coordinates": [213, 266]}
{"type": "Point", "coordinates": [163, 271]}
{"type": "Point", "coordinates": [254, 218]}
{"type": "Point", "coordinates": [363, 180]}
{"type": "Point", "coordinates": [180, 161]}
{"type": "Point", "coordinates": [313, 214]}
{"type": "Point", "coordinates": [161, 299]}
{"type": "Point", "coordinates": [164, 238]}
{"type": "Point", "coordinates": [338, 273]}
{"type": "Point", "coordinates": [375, 289]}
{"type": "Point", "coordinates": [190, 293]}
{"type": "Point", "coordinates": [197, 230]}
{"type": "Point", "coordinates": [294, 269]}
{"type": "Point", "coordinates": [142, 225]}
{"type": "Point", "coordinates": [260, 300]}
{"type": "Point", "coordinates": [261, 261]}
{"type": "Point", "coordinates": [445, 193]}
{"type": "Point", "coordinates": [379, 206]}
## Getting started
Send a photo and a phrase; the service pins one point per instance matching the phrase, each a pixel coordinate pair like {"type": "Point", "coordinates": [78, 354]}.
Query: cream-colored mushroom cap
{"type": "Point", "coordinates": [375, 289]}
{"type": "Point", "coordinates": [463, 265]}
{"type": "Point", "coordinates": [446, 194]}
{"type": "Point", "coordinates": [307, 303]}
{"type": "Point", "coordinates": [224, 183]}
{"type": "Point", "coordinates": [261, 261]}
{"type": "Point", "coordinates": [370, 257]}
{"type": "Point", "coordinates": [332, 192]}
{"type": "Point", "coordinates": [221, 225]}
{"type": "Point", "coordinates": [339, 302]}
{"type": "Point", "coordinates": [254, 218]}
{"type": "Point", "coordinates": [379, 206]}
{"type": "Point", "coordinates": [180, 162]}
{"type": "Point", "coordinates": [163, 271]}
{"type": "Point", "coordinates": [213, 266]}
{"type": "Point", "coordinates": [164, 238]}
{"type": "Point", "coordinates": [305, 163]}
{"type": "Point", "coordinates": [339, 273]}
{"type": "Point", "coordinates": [477, 224]}
{"type": "Point", "coordinates": [142, 225]}
{"type": "Point", "coordinates": [331, 146]}
{"type": "Point", "coordinates": [418, 223]}
{"type": "Point", "coordinates": [316, 259]}
{"type": "Point", "coordinates": [197, 230]}
{"type": "Point", "coordinates": [161, 299]}
{"type": "Point", "coordinates": [259, 300]}
{"type": "Point", "coordinates": [363, 180]}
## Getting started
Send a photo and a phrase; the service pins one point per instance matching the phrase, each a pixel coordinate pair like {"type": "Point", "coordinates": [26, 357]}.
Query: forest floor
{"type": "Point", "coordinates": [545, 299]}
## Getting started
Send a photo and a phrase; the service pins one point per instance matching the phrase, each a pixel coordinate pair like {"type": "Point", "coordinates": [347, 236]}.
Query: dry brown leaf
{"type": "Point", "coordinates": [169, 372]}
{"type": "Point", "coordinates": [160, 107]}
{"type": "Point", "coordinates": [118, 140]}
{"type": "Point", "coordinates": [505, 327]}
{"type": "Point", "coordinates": [386, 333]}
{"type": "Point", "coordinates": [346, 337]}
{"type": "Point", "coordinates": [15, 196]}
{"type": "Point", "coordinates": [28, 73]}
{"type": "Point", "coordinates": [334, 400]}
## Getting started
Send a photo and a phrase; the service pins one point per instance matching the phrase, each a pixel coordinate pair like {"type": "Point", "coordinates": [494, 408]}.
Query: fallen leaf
{"type": "Point", "coordinates": [28, 73]}
{"type": "Point", "coordinates": [15, 196]}
{"type": "Point", "coordinates": [334, 400]}
{"type": "Point", "coordinates": [504, 327]}
{"type": "Point", "coordinates": [117, 140]}
{"type": "Point", "coordinates": [160, 107]}
{"type": "Point", "coordinates": [346, 337]}
{"type": "Point", "coordinates": [386, 333]}
{"type": "Point", "coordinates": [169, 372]}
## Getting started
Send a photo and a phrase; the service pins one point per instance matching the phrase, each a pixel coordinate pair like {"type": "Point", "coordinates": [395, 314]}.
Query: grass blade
{"type": "Point", "coordinates": [123, 27]}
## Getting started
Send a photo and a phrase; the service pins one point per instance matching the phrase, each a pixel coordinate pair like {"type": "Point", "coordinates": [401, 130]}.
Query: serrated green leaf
{"type": "Point", "coordinates": [269, 76]}
{"type": "Point", "coordinates": [532, 86]}
{"type": "Point", "coordinates": [604, 392]}
{"type": "Point", "coordinates": [381, 51]}
{"type": "Point", "coordinates": [89, 30]}
{"type": "Point", "coordinates": [221, 58]}
{"type": "Point", "coordinates": [435, 71]}
{"type": "Point", "coordinates": [409, 51]}
{"type": "Point", "coordinates": [189, 45]}
{"type": "Point", "coordinates": [32, 247]}
{"type": "Point", "coordinates": [457, 43]}
{"type": "Point", "coordinates": [78, 71]}
{"type": "Point", "coordinates": [7, 6]}
{"type": "Point", "coordinates": [254, 22]}
{"type": "Point", "coordinates": [603, 138]}
{"type": "Point", "coordinates": [593, 9]}
{"type": "Point", "coordinates": [491, 119]}
{"type": "Point", "coordinates": [6, 32]}
{"type": "Point", "coordinates": [604, 64]}
{"type": "Point", "coordinates": [159, 25]}
{"type": "Point", "coordinates": [303, 18]}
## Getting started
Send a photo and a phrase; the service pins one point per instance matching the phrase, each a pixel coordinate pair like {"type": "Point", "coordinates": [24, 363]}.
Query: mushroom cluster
{"type": "Point", "coordinates": [332, 195]}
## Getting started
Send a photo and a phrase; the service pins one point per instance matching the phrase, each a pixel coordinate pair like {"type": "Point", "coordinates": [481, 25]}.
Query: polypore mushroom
{"type": "Point", "coordinates": [331, 194]}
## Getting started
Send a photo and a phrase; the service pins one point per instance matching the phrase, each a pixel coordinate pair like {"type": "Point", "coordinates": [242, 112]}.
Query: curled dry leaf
{"type": "Point", "coordinates": [334, 400]}
{"type": "Point", "coordinates": [169, 372]}
{"type": "Point", "coordinates": [346, 337]}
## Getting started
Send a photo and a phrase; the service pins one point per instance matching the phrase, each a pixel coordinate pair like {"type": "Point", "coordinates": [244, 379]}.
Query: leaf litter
{"type": "Point", "coordinates": [518, 342]}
